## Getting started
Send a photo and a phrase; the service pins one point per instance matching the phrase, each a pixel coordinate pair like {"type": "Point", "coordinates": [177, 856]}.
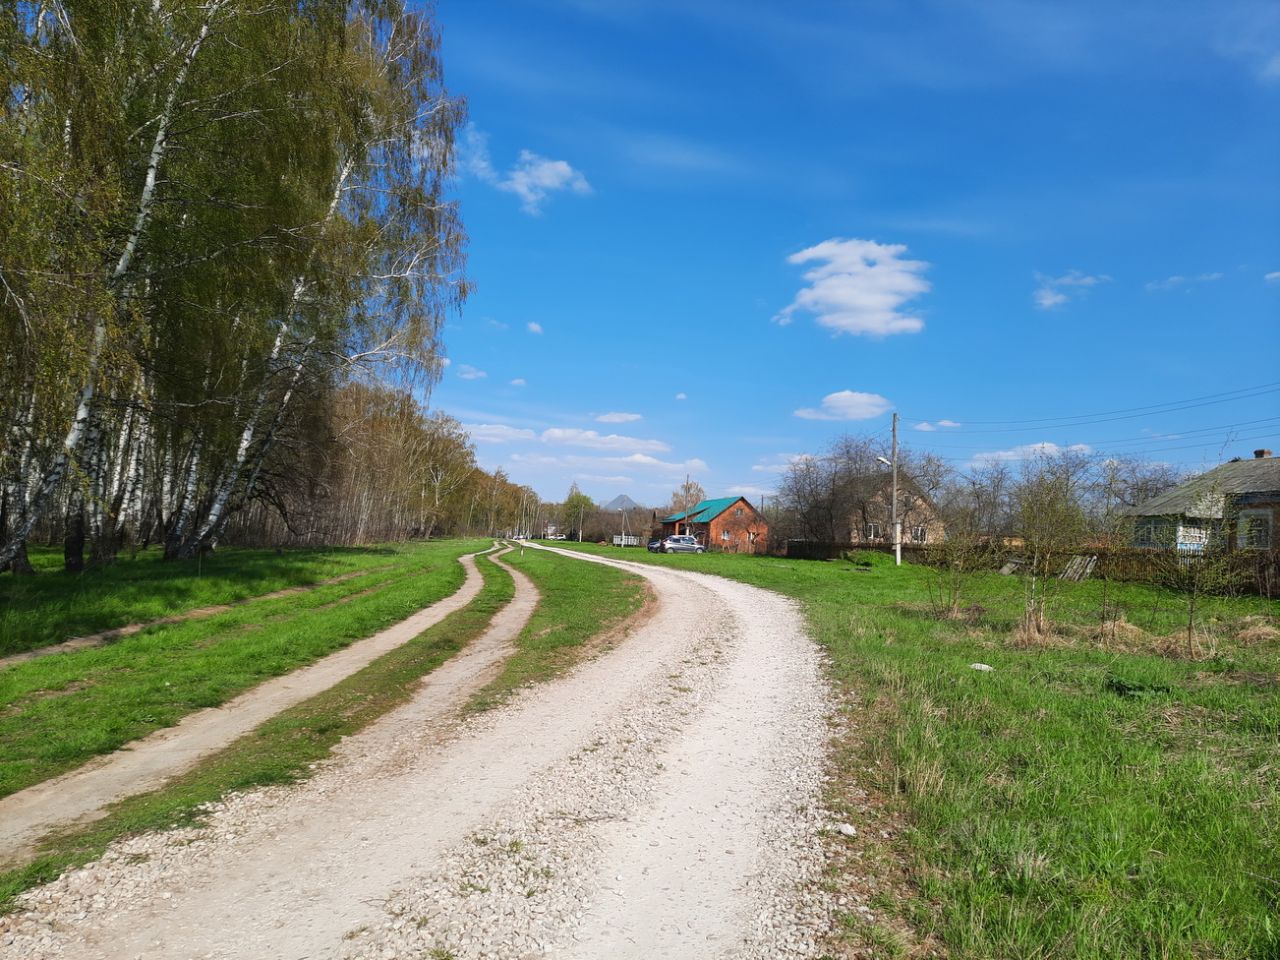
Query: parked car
{"type": "Point", "coordinates": [681, 544]}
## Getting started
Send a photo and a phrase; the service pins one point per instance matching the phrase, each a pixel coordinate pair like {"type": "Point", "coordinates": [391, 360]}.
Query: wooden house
{"type": "Point", "coordinates": [725, 524]}
{"type": "Point", "coordinates": [1238, 501]}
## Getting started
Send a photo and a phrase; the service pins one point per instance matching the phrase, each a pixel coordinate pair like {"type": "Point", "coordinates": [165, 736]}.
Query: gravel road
{"type": "Point", "coordinates": [662, 800]}
{"type": "Point", "coordinates": [83, 794]}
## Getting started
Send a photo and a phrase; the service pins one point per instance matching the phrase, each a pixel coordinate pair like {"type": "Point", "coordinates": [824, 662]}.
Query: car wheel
{"type": "Point", "coordinates": [669, 550]}
{"type": "Point", "coordinates": [699, 550]}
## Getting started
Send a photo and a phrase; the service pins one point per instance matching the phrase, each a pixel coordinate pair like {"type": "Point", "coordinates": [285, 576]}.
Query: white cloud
{"type": "Point", "coordinates": [533, 177]}
{"type": "Point", "coordinates": [467, 372]}
{"type": "Point", "coordinates": [1177, 280]}
{"type": "Point", "coordinates": [782, 464]}
{"type": "Point", "coordinates": [598, 478]}
{"type": "Point", "coordinates": [1030, 451]}
{"type": "Point", "coordinates": [576, 437]}
{"type": "Point", "coordinates": [498, 324]}
{"type": "Point", "coordinates": [519, 382]}
{"type": "Point", "coordinates": [446, 362]}
{"type": "Point", "coordinates": [1271, 69]}
{"type": "Point", "coordinates": [928, 427]}
{"type": "Point", "coordinates": [682, 396]}
{"type": "Point", "coordinates": [746, 490]}
{"type": "Point", "coordinates": [618, 417]}
{"type": "Point", "coordinates": [644, 460]}
{"type": "Point", "coordinates": [847, 405]}
{"type": "Point", "coordinates": [497, 432]}
{"type": "Point", "coordinates": [1051, 294]}
{"type": "Point", "coordinates": [948, 423]}
{"type": "Point", "coordinates": [1272, 277]}
{"type": "Point", "coordinates": [859, 287]}
{"type": "Point", "coordinates": [533, 327]}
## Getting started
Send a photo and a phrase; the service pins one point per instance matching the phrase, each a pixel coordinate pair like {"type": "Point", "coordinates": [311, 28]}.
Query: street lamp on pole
{"type": "Point", "coordinates": [893, 506]}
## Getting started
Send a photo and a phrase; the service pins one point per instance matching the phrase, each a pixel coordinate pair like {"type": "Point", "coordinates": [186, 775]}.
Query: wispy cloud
{"type": "Point", "coordinates": [928, 427]}
{"type": "Point", "coordinates": [533, 327]}
{"type": "Point", "coordinates": [1272, 277]}
{"type": "Point", "coordinates": [682, 396]}
{"type": "Point", "coordinates": [696, 465]}
{"type": "Point", "coordinates": [1056, 291]}
{"type": "Point", "coordinates": [781, 463]}
{"type": "Point", "coordinates": [467, 372]}
{"type": "Point", "coordinates": [1177, 280]}
{"type": "Point", "coordinates": [599, 478]}
{"type": "Point", "coordinates": [519, 382]}
{"type": "Point", "coordinates": [576, 437]}
{"type": "Point", "coordinates": [1030, 451]}
{"type": "Point", "coordinates": [618, 417]}
{"type": "Point", "coordinates": [859, 287]}
{"type": "Point", "coordinates": [497, 433]}
{"type": "Point", "coordinates": [847, 405]}
{"type": "Point", "coordinates": [533, 177]}
{"type": "Point", "coordinates": [746, 490]}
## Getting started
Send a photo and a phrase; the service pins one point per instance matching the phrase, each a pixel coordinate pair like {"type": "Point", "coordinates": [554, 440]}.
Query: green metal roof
{"type": "Point", "coordinates": [704, 512]}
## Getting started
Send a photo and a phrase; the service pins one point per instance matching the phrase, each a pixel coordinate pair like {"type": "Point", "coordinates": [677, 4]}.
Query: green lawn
{"type": "Point", "coordinates": [1089, 798]}
{"type": "Point", "coordinates": [58, 711]}
{"type": "Point", "coordinates": [578, 602]}
{"type": "Point", "coordinates": [280, 751]}
{"type": "Point", "coordinates": [53, 605]}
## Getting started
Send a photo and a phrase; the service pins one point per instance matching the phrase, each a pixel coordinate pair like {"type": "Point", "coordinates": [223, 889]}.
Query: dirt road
{"type": "Point", "coordinates": [82, 795]}
{"type": "Point", "coordinates": [660, 801]}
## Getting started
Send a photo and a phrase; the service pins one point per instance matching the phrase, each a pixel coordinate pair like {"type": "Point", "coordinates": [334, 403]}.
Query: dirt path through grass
{"type": "Point", "coordinates": [119, 633]}
{"type": "Point", "coordinates": [83, 794]}
{"type": "Point", "coordinates": [659, 800]}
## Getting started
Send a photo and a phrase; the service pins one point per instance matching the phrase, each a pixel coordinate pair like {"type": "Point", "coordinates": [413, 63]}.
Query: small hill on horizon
{"type": "Point", "coordinates": [621, 502]}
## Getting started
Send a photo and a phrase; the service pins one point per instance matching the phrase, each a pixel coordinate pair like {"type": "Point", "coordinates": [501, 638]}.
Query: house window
{"type": "Point", "coordinates": [1253, 530]}
{"type": "Point", "coordinates": [725, 535]}
{"type": "Point", "coordinates": [1153, 532]}
{"type": "Point", "coordinates": [738, 512]}
{"type": "Point", "coordinates": [751, 536]}
{"type": "Point", "coordinates": [873, 531]}
{"type": "Point", "coordinates": [918, 534]}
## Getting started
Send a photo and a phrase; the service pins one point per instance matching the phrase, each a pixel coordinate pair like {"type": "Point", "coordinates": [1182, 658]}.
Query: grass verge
{"type": "Point", "coordinates": [54, 605]}
{"type": "Point", "coordinates": [1087, 798]}
{"type": "Point", "coordinates": [59, 711]}
{"type": "Point", "coordinates": [280, 751]}
{"type": "Point", "coordinates": [580, 603]}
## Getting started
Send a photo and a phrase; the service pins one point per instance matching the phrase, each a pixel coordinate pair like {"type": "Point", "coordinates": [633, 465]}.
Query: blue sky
{"type": "Point", "coordinates": [712, 234]}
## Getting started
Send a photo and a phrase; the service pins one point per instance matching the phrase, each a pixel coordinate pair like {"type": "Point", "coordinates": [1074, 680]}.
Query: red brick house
{"type": "Point", "coordinates": [726, 524]}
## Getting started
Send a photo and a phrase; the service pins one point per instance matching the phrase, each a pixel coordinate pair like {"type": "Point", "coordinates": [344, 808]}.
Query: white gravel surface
{"type": "Point", "coordinates": [661, 801]}
{"type": "Point", "coordinates": [83, 794]}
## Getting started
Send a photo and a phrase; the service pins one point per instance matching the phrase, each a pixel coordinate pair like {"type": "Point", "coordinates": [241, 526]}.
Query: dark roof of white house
{"type": "Point", "coordinates": [1205, 495]}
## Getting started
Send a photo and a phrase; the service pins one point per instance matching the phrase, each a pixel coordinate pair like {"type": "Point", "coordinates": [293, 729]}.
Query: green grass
{"type": "Point", "coordinates": [579, 602]}
{"type": "Point", "coordinates": [53, 605]}
{"type": "Point", "coordinates": [280, 751]}
{"type": "Point", "coordinates": [1085, 799]}
{"type": "Point", "coordinates": [59, 711]}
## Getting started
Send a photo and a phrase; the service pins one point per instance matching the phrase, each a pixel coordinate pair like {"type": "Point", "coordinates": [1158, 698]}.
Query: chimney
{"type": "Point", "coordinates": [1261, 454]}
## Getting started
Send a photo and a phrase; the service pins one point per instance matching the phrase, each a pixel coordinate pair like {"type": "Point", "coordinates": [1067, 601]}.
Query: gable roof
{"type": "Point", "coordinates": [1205, 496]}
{"type": "Point", "coordinates": [706, 511]}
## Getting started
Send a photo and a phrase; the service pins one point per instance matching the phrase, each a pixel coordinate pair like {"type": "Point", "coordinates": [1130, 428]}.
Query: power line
{"type": "Point", "coordinates": [1130, 413]}
{"type": "Point", "coordinates": [1147, 439]}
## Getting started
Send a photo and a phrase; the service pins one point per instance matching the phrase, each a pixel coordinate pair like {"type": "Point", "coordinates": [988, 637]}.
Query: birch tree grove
{"type": "Point", "coordinates": [219, 218]}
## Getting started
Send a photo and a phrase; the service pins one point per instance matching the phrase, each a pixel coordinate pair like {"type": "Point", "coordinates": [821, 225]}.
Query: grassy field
{"type": "Point", "coordinates": [1096, 795]}
{"type": "Point", "coordinates": [54, 605]}
{"type": "Point", "coordinates": [281, 750]}
{"type": "Point", "coordinates": [58, 711]}
{"type": "Point", "coordinates": [579, 602]}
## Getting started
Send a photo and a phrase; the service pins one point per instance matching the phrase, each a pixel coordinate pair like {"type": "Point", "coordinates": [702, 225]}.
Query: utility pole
{"type": "Point", "coordinates": [893, 513]}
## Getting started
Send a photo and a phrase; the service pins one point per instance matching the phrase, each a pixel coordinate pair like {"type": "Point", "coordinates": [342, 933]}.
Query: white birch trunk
{"type": "Point", "coordinates": [84, 400]}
